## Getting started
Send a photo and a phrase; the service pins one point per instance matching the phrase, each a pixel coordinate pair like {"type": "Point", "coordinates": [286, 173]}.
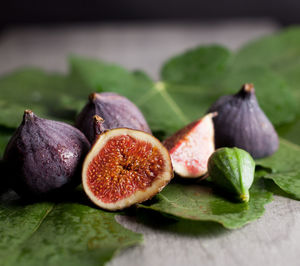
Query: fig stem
{"type": "Point", "coordinates": [28, 115]}
{"type": "Point", "coordinates": [98, 119]}
{"type": "Point", "coordinates": [98, 125]}
{"type": "Point", "coordinates": [246, 91]}
{"type": "Point", "coordinates": [93, 96]}
{"type": "Point", "coordinates": [248, 87]}
{"type": "Point", "coordinates": [27, 111]}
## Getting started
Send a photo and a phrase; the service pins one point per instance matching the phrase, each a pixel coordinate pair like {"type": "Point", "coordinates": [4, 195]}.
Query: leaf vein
{"type": "Point", "coordinates": [161, 88]}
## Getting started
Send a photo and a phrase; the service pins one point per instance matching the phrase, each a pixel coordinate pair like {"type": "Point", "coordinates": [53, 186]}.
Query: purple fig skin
{"type": "Point", "coordinates": [241, 123]}
{"type": "Point", "coordinates": [45, 156]}
{"type": "Point", "coordinates": [116, 111]}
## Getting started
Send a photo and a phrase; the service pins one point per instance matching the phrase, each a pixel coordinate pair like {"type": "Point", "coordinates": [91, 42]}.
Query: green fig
{"type": "Point", "coordinates": [232, 169]}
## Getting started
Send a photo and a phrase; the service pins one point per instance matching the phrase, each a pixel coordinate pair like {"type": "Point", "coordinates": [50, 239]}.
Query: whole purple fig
{"type": "Point", "coordinates": [45, 156]}
{"type": "Point", "coordinates": [241, 123]}
{"type": "Point", "coordinates": [116, 111]}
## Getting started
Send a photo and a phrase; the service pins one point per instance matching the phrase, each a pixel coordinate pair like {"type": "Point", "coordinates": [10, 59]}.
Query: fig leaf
{"type": "Point", "coordinates": [284, 168]}
{"type": "Point", "coordinates": [34, 89]}
{"type": "Point", "coordinates": [268, 86]}
{"type": "Point", "coordinates": [216, 75]}
{"type": "Point", "coordinates": [190, 83]}
{"type": "Point", "coordinates": [200, 202]}
{"type": "Point", "coordinates": [160, 110]}
{"type": "Point", "coordinates": [203, 65]}
{"type": "Point", "coordinates": [290, 131]}
{"type": "Point", "coordinates": [68, 233]}
{"type": "Point", "coordinates": [280, 52]}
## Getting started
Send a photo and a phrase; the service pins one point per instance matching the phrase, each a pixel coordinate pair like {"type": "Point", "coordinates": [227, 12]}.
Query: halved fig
{"type": "Point", "coordinates": [191, 146]}
{"type": "Point", "coordinates": [125, 167]}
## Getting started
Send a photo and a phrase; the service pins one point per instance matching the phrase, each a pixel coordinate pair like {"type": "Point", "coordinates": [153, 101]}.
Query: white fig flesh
{"type": "Point", "coordinates": [191, 147]}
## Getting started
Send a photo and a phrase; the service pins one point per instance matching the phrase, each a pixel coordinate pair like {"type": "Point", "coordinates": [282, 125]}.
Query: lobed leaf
{"type": "Point", "coordinates": [68, 233]}
{"type": "Point", "coordinates": [33, 89]}
{"type": "Point", "coordinates": [203, 65]}
{"type": "Point", "coordinates": [290, 131]}
{"type": "Point", "coordinates": [214, 71]}
{"type": "Point", "coordinates": [200, 202]}
{"type": "Point", "coordinates": [284, 165]}
{"type": "Point", "coordinates": [280, 52]}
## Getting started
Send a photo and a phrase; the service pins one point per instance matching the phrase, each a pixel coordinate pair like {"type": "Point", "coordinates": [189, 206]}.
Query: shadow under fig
{"type": "Point", "coordinates": [166, 223]}
{"type": "Point", "coordinates": [276, 190]}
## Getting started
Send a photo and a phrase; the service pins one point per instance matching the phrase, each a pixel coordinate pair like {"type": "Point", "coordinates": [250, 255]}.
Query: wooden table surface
{"type": "Point", "coordinates": [272, 240]}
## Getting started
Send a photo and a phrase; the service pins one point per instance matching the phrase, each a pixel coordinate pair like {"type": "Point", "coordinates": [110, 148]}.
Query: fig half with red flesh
{"type": "Point", "coordinates": [191, 147]}
{"type": "Point", "coordinates": [125, 167]}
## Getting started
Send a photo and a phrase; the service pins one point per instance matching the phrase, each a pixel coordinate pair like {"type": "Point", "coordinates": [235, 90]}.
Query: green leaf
{"type": "Point", "coordinates": [186, 94]}
{"type": "Point", "coordinates": [200, 202]}
{"type": "Point", "coordinates": [272, 91]}
{"type": "Point", "coordinates": [101, 76]}
{"type": "Point", "coordinates": [290, 131]}
{"type": "Point", "coordinates": [203, 65]}
{"type": "Point", "coordinates": [33, 89]}
{"type": "Point", "coordinates": [191, 102]}
{"type": "Point", "coordinates": [66, 233]}
{"type": "Point", "coordinates": [180, 227]}
{"type": "Point", "coordinates": [5, 135]}
{"type": "Point", "coordinates": [162, 112]}
{"type": "Point", "coordinates": [213, 71]}
{"type": "Point", "coordinates": [280, 52]}
{"type": "Point", "coordinates": [284, 165]}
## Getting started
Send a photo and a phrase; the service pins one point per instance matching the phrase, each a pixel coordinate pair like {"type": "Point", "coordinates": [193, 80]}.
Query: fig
{"type": "Point", "coordinates": [45, 156]}
{"type": "Point", "coordinates": [125, 167]}
{"type": "Point", "coordinates": [232, 169]}
{"type": "Point", "coordinates": [241, 123]}
{"type": "Point", "coordinates": [116, 110]}
{"type": "Point", "coordinates": [191, 147]}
